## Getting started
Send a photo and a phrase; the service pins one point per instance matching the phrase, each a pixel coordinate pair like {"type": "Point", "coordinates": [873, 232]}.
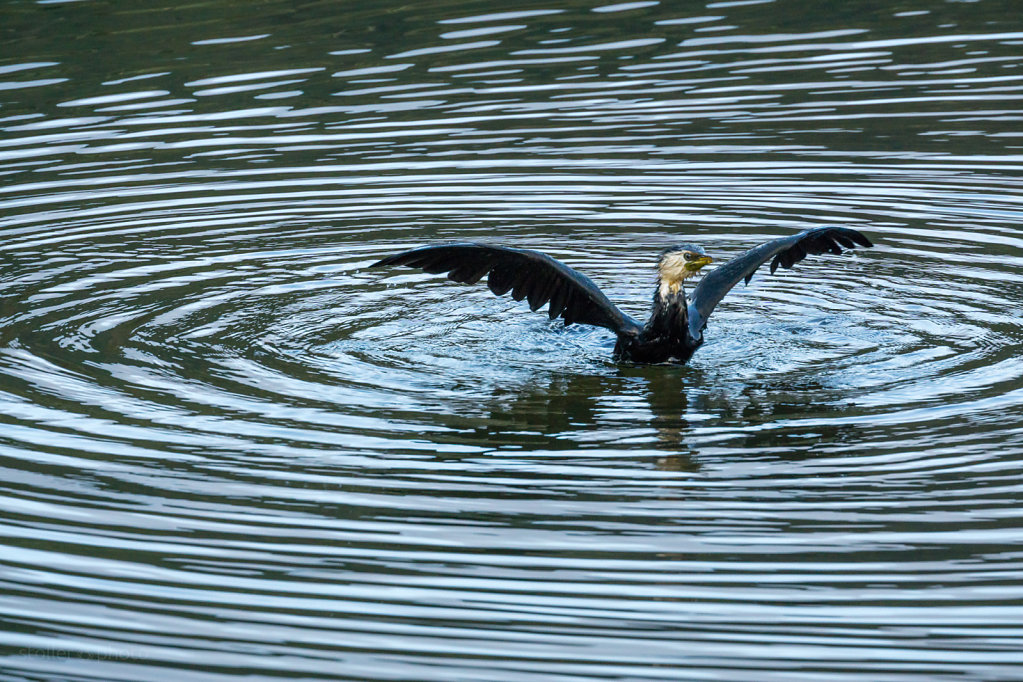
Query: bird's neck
{"type": "Point", "coordinates": [668, 285]}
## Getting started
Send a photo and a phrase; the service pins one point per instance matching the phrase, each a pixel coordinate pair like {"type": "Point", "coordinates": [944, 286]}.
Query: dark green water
{"type": "Point", "coordinates": [229, 450]}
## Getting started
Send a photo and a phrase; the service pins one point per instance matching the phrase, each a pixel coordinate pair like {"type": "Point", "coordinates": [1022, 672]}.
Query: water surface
{"type": "Point", "coordinates": [230, 449]}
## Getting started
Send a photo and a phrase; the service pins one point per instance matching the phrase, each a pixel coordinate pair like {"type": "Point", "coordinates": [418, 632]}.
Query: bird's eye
{"type": "Point", "coordinates": [687, 255]}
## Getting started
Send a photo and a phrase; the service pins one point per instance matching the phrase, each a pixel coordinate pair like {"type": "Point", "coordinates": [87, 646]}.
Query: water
{"type": "Point", "coordinates": [230, 449]}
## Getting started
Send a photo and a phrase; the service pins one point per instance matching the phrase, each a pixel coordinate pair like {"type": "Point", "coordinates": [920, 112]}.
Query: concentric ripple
{"type": "Point", "coordinates": [230, 449]}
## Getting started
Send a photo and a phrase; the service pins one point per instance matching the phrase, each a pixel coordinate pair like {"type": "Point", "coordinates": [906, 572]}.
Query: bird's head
{"type": "Point", "coordinates": [678, 264]}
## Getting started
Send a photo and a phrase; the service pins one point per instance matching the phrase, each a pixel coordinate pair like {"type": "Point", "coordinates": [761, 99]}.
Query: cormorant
{"type": "Point", "coordinates": [675, 328]}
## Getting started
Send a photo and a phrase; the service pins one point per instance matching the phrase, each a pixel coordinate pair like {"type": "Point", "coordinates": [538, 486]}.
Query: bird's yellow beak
{"type": "Point", "coordinates": [698, 263]}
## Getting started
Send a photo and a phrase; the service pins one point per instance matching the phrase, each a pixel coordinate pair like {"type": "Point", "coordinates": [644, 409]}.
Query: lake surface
{"type": "Point", "coordinates": [228, 449]}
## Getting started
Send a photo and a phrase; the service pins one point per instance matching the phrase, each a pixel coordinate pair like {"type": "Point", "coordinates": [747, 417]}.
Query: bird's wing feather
{"type": "Point", "coordinates": [786, 251]}
{"type": "Point", "coordinates": [529, 275]}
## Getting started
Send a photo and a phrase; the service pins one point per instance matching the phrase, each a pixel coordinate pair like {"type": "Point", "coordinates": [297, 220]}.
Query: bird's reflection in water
{"type": "Point", "coordinates": [666, 393]}
{"type": "Point", "coordinates": [635, 406]}
{"type": "Point", "coordinates": [668, 410]}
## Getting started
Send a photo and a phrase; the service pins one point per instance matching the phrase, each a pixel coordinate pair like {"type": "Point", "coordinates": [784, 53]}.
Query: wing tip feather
{"type": "Point", "coordinates": [388, 260]}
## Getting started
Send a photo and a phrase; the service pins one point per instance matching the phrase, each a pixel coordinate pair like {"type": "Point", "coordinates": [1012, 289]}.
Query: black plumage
{"type": "Point", "coordinates": [529, 275]}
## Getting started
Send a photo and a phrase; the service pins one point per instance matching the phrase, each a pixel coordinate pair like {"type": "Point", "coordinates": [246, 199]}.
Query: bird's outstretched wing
{"type": "Point", "coordinates": [529, 275]}
{"type": "Point", "coordinates": [786, 251]}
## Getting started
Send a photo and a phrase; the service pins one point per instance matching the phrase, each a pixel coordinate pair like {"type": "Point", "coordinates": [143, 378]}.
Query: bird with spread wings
{"type": "Point", "coordinates": [675, 327]}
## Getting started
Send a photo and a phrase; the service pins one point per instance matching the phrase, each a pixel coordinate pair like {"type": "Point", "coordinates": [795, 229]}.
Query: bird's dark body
{"type": "Point", "coordinates": [665, 336]}
{"type": "Point", "coordinates": [674, 330]}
